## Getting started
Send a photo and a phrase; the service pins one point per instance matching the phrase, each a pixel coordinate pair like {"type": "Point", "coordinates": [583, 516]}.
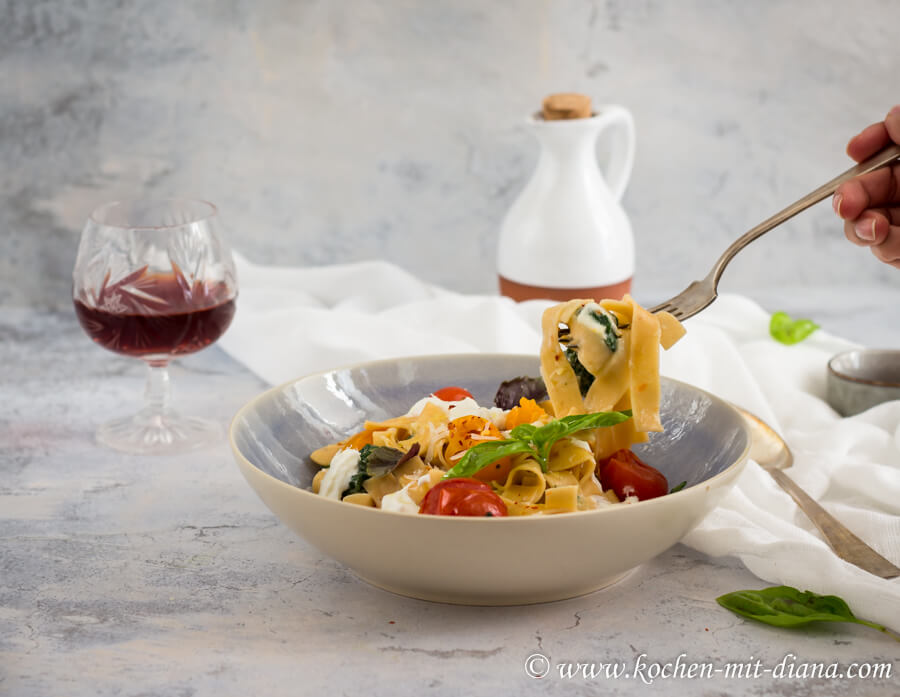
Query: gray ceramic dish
{"type": "Point", "coordinates": [473, 560]}
{"type": "Point", "coordinates": [860, 379]}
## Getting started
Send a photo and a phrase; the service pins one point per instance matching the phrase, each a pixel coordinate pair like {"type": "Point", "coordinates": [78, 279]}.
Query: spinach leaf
{"type": "Point", "coordinates": [374, 461]}
{"type": "Point", "coordinates": [361, 475]}
{"type": "Point", "coordinates": [784, 606]}
{"type": "Point", "coordinates": [532, 440]}
{"type": "Point", "coordinates": [788, 330]}
{"type": "Point", "coordinates": [585, 379]}
{"type": "Point", "coordinates": [611, 336]}
{"type": "Point", "coordinates": [678, 487]}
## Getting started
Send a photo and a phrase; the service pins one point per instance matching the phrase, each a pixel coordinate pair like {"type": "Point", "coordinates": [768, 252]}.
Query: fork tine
{"type": "Point", "coordinates": [664, 307]}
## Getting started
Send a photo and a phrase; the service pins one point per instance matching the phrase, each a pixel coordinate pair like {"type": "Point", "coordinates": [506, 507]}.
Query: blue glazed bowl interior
{"type": "Point", "coordinates": [276, 433]}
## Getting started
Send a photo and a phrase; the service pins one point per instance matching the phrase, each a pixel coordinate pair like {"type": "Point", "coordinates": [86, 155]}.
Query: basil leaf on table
{"type": "Point", "coordinates": [533, 440]}
{"type": "Point", "coordinates": [784, 606]}
{"type": "Point", "coordinates": [788, 330]}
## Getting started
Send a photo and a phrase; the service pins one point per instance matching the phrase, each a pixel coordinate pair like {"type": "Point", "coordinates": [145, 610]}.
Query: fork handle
{"type": "Point", "coordinates": [879, 159]}
{"type": "Point", "coordinates": [844, 543]}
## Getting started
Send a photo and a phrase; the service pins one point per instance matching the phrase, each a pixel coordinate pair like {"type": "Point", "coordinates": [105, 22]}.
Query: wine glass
{"type": "Point", "coordinates": [154, 279]}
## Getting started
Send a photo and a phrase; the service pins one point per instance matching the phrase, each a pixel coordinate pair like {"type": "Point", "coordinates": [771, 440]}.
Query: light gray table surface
{"type": "Point", "coordinates": [143, 576]}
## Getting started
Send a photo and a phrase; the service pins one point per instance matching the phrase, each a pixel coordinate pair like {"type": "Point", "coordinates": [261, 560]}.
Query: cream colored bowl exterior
{"type": "Point", "coordinates": [456, 560]}
{"type": "Point", "coordinates": [497, 561]}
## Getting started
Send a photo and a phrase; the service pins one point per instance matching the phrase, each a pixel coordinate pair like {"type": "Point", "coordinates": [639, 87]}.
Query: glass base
{"type": "Point", "coordinates": [159, 433]}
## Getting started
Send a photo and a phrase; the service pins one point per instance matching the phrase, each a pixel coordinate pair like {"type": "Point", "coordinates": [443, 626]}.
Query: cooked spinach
{"type": "Point", "coordinates": [585, 379]}
{"type": "Point", "coordinates": [611, 335]}
{"type": "Point", "coordinates": [374, 461]}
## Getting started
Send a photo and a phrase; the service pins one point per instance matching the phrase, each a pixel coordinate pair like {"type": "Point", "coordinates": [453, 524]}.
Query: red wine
{"type": "Point", "coordinates": [157, 315]}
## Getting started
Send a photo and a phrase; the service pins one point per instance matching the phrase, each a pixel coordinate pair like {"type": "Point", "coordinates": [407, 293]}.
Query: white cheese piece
{"type": "Point", "coordinates": [584, 445]}
{"type": "Point", "coordinates": [601, 501]}
{"type": "Point", "coordinates": [463, 407]}
{"type": "Point", "coordinates": [586, 318]}
{"type": "Point", "coordinates": [337, 477]}
{"type": "Point", "coordinates": [416, 409]}
{"type": "Point", "coordinates": [399, 502]}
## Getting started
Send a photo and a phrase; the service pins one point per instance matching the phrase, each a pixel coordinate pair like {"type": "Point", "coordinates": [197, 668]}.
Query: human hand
{"type": "Point", "coordinates": [870, 204]}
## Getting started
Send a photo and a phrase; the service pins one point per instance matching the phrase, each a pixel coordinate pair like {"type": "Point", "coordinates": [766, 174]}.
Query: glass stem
{"type": "Point", "coordinates": [158, 391]}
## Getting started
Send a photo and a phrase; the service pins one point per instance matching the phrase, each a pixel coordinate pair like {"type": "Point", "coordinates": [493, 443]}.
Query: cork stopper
{"type": "Point", "coordinates": [567, 105]}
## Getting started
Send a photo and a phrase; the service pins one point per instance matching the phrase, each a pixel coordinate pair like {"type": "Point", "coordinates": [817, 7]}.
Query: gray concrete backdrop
{"type": "Point", "coordinates": [337, 131]}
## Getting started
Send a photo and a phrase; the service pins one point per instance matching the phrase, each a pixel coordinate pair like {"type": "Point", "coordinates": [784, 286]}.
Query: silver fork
{"type": "Point", "coordinates": [700, 294]}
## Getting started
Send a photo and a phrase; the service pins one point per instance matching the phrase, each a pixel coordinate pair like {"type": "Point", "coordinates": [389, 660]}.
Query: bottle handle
{"type": "Point", "coordinates": [621, 153]}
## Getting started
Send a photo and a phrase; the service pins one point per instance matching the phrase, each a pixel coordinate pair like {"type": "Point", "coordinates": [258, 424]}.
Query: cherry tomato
{"type": "Point", "coordinates": [470, 430]}
{"type": "Point", "coordinates": [627, 475]}
{"type": "Point", "coordinates": [496, 471]}
{"type": "Point", "coordinates": [464, 497]}
{"type": "Point", "coordinates": [452, 394]}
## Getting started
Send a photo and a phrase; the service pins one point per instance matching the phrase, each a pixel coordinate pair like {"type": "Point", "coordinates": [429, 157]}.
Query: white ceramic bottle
{"type": "Point", "coordinates": [566, 235]}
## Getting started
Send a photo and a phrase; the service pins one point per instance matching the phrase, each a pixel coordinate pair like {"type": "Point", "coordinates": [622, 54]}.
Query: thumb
{"type": "Point", "coordinates": [892, 123]}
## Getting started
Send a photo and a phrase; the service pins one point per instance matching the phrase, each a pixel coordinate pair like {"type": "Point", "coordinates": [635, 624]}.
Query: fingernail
{"type": "Point", "coordinates": [836, 203]}
{"type": "Point", "coordinates": [865, 230]}
{"type": "Point", "coordinates": [895, 110]}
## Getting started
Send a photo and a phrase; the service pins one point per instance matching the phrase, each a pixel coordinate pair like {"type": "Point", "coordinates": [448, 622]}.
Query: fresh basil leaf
{"type": "Point", "coordinates": [784, 606]}
{"type": "Point", "coordinates": [534, 440]}
{"type": "Point", "coordinates": [548, 433]}
{"type": "Point", "coordinates": [583, 422]}
{"type": "Point", "coordinates": [544, 437]}
{"type": "Point", "coordinates": [788, 330]}
{"type": "Point", "coordinates": [483, 454]}
{"type": "Point", "coordinates": [678, 487]}
{"type": "Point", "coordinates": [523, 431]}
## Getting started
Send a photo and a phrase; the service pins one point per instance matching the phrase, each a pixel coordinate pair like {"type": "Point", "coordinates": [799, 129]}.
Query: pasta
{"type": "Point", "coordinates": [562, 452]}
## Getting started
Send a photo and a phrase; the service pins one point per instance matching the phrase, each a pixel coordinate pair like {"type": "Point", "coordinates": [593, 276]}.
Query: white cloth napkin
{"type": "Point", "coordinates": [294, 321]}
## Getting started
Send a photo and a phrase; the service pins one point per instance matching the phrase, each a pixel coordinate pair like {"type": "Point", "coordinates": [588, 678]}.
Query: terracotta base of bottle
{"type": "Point", "coordinates": [520, 291]}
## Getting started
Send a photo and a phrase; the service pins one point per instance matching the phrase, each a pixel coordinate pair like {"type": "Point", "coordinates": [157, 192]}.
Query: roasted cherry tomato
{"type": "Point", "coordinates": [452, 394]}
{"type": "Point", "coordinates": [627, 475]}
{"type": "Point", "coordinates": [470, 430]}
{"type": "Point", "coordinates": [462, 496]}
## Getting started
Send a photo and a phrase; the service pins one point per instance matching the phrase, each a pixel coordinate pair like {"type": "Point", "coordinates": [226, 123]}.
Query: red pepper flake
{"type": "Point", "coordinates": [392, 622]}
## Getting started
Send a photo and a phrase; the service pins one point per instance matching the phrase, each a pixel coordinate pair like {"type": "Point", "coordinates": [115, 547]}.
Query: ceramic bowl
{"type": "Point", "coordinates": [860, 379]}
{"type": "Point", "coordinates": [481, 561]}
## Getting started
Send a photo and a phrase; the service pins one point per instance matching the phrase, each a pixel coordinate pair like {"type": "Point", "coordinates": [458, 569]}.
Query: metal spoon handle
{"type": "Point", "coordinates": [844, 543]}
